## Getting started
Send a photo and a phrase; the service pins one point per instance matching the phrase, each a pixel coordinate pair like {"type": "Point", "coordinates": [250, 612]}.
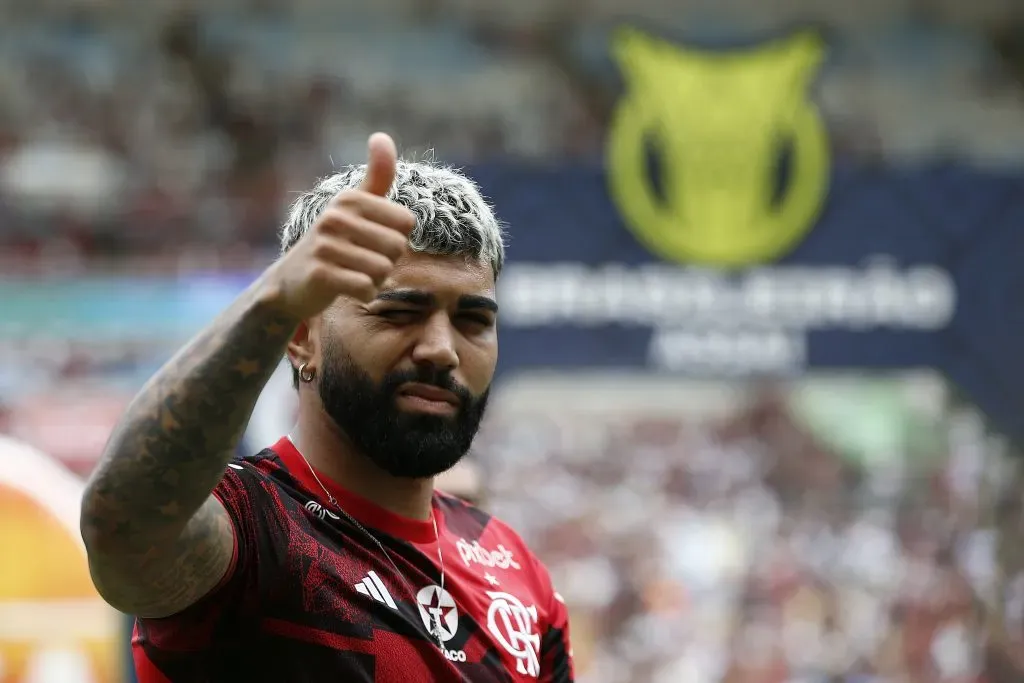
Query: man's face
{"type": "Point", "coordinates": [406, 377]}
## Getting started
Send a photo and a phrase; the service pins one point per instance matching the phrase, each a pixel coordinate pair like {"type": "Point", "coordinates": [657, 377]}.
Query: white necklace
{"type": "Point", "coordinates": [435, 628]}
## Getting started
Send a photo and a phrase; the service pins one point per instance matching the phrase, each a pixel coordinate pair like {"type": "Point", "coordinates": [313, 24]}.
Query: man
{"type": "Point", "coordinates": [329, 556]}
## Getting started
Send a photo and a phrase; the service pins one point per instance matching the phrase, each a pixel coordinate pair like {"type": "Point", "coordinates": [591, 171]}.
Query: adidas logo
{"type": "Point", "coordinates": [373, 587]}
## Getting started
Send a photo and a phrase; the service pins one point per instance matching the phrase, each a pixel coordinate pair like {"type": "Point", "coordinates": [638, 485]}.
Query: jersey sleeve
{"type": "Point", "coordinates": [556, 663]}
{"type": "Point", "coordinates": [243, 494]}
{"type": "Point", "coordinates": [160, 643]}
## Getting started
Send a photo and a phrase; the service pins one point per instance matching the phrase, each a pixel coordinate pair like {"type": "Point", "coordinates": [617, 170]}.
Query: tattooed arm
{"type": "Point", "coordinates": [157, 540]}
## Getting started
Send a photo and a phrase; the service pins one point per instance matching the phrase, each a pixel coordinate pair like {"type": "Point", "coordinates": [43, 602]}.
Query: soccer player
{"type": "Point", "coordinates": [329, 556]}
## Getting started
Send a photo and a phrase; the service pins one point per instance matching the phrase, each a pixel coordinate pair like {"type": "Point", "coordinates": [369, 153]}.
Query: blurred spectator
{"type": "Point", "coordinates": [744, 547]}
{"type": "Point", "coordinates": [150, 129]}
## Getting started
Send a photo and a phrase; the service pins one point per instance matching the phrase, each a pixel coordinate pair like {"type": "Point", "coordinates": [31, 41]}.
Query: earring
{"type": "Point", "coordinates": [304, 375]}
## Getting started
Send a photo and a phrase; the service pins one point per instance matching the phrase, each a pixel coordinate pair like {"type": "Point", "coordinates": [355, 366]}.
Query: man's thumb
{"type": "Point", "coordinates": [382, 160]}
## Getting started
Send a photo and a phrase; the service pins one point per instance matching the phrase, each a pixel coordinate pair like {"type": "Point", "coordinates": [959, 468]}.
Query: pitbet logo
{"type": "Point", "coordinates": [720, 124]}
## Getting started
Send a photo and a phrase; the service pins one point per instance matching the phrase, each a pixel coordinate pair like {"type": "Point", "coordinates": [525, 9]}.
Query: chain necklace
{"type": "Point", "coordinates": [435, 628]}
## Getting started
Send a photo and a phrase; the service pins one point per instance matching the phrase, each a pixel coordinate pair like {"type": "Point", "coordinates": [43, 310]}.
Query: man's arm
{"type": "Point", "coordinates": [157, 540]}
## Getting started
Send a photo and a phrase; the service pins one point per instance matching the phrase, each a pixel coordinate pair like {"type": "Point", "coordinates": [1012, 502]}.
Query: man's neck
{"type": "Point", "coordinates": [330, 453]}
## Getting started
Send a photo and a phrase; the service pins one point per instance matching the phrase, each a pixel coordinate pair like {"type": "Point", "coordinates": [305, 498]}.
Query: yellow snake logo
{"type": "Point", "coordinates": [719, 125]}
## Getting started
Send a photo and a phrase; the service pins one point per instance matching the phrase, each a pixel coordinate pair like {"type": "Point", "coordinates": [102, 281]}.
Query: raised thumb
{"type": "Point", "coordinates": [382, 161]}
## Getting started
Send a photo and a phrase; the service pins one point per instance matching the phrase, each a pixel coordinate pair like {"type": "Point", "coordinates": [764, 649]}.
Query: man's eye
{"type": "Point", "coordinates": [477, 319]}
{"type": "Point", "coordinates": [398, 314]}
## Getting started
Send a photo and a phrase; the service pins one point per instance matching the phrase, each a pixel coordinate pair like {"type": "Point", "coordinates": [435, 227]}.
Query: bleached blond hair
{"type": "Point", "coordinates": [452, 216]}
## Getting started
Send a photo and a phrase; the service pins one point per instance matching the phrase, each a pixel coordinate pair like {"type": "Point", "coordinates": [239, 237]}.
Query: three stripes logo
{"type": "Point", "coordinates": [371, 586]}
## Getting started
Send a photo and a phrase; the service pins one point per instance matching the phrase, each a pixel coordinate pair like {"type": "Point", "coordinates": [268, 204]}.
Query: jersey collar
{"type": "Point", "coordinates": [365, 511]}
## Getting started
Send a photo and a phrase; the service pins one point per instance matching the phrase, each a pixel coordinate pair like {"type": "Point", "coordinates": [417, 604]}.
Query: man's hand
{"type": "Point", "coordinates": [353, 246]}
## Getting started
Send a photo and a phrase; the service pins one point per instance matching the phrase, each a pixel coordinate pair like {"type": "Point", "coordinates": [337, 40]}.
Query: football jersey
{"type": "Point", "coordinates": [310, 597]}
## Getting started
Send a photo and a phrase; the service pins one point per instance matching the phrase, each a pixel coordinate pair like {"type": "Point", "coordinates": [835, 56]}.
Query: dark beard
{"type": "Point", "coordinates": [408, 445]}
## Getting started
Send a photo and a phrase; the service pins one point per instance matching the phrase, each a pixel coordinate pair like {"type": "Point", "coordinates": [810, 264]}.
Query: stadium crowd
{"type": "Point", "coordinates": [746, 546]}
{"type": "Point", "coordinates": [167, 126]}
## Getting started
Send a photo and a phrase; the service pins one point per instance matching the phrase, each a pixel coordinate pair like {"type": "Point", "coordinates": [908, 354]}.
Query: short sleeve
{"type": "Point", "coordinates": [217, 615]}
{"type": "Point", "coordinates": [242, 492]}
{"type": "Point", "coordinates": [556, 662]}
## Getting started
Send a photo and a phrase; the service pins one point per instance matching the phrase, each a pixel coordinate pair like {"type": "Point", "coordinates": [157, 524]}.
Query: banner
{"type": "Point", "coordinates": [720, 239]}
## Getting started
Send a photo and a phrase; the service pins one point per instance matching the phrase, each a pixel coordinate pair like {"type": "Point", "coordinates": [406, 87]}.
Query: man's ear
{"type": "Point", "coordinates": [304, 348]}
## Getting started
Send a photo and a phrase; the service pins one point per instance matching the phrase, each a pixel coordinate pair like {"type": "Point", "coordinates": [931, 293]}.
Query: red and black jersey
{"type": "Point", "coordinates": [309, 596]}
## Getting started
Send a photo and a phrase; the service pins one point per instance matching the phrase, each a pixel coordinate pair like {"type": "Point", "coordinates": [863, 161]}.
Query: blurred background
{"type": "Point", "coordinates": [759, 435]}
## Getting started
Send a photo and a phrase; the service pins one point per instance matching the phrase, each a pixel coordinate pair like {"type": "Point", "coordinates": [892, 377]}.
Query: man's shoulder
{"type": "Point", "coordinates": [257, 476]}
{"type": "Point", "coordinates": [486, 539]}
{"type": "Point", "coordinates": [265, 460]}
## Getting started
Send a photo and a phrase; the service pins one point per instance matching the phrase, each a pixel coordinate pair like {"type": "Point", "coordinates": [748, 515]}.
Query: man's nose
{"type": "Point", "coordinates": [436, 344]}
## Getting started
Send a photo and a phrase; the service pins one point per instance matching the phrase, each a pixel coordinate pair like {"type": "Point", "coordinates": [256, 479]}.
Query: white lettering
{"type": "Point", "coordinates": [474, 552]}
{"type": "Point", "coordinates": [878, 294]}
{"type": "Point", "coordinates": [723, 352]}
{"type": "Point", "coordinates": [455, 655]}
